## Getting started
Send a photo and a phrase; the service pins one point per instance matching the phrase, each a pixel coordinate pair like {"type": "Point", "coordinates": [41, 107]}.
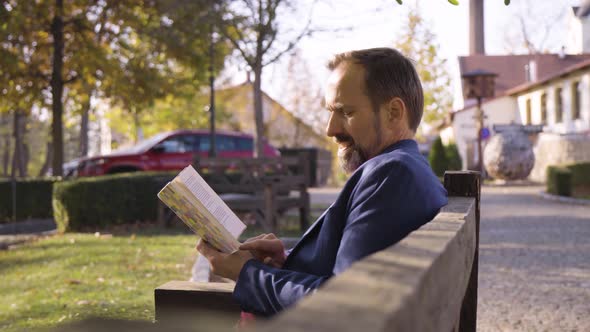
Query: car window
{"type": "Point", "coordinates": [244, 143]}
{"type": "Point", "coordinates": [179, 144]}
{"type": "Point", "coordinates": [222, 143]}
{"type": "Point", "coordinates": [225, 143]}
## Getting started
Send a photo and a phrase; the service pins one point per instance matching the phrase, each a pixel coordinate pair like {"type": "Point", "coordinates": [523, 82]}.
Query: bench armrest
{"type": "Point", "coordinates": [188, 300]}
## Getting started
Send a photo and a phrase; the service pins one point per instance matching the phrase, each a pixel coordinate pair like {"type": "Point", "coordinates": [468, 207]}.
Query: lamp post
{"type": "Point", "coordinates": [479, 84]}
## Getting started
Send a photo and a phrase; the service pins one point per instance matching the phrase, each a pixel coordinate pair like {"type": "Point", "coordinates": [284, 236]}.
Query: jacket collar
{"type": "Point", "coordinates": [403, 144]}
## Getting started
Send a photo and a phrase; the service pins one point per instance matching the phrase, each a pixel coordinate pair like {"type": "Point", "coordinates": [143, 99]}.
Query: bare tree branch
{"type": "Point", "coordinates": [305, 32]}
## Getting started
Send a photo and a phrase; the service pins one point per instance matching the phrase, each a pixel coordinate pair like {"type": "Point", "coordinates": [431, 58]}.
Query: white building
{"type": "Point", "coordinates": [561, 103]}
{"type": "Point", "coordinates": [578, 25]}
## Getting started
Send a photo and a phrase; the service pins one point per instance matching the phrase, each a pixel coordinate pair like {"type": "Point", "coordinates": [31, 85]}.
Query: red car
{"type": "Point", "coordinates": [170, 151]}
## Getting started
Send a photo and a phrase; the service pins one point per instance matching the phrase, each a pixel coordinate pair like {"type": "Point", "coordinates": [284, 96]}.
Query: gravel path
{"type": "Point", "coordinates": [534, 272]}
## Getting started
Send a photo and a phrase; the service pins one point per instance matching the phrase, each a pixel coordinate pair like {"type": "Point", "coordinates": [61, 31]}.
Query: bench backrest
{"type": "Point", "coordinates": [247, 175]}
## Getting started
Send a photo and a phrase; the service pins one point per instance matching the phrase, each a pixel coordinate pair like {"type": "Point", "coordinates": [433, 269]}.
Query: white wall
{"type": "Point", "coordinates": [578, 34]}
{"type": "Point", "coordinates": [567, 125]}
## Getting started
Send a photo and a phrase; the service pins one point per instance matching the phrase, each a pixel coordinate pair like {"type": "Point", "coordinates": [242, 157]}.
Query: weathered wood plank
{"type": "Point", "coordinates": [192, 301]}
{"type": "Point", "coordinates": [468, 184]}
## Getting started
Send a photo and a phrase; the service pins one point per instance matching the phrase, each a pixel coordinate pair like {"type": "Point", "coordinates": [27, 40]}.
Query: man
{"type": "Point", "coordinates": [375, 101]}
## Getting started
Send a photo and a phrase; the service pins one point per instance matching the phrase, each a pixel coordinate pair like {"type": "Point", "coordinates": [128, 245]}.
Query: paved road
{"type": "Point", "coordinates": [534, 263]}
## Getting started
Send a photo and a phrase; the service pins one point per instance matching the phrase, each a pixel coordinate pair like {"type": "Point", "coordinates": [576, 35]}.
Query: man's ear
{"type": "Point", "coordinates": [396, 111]}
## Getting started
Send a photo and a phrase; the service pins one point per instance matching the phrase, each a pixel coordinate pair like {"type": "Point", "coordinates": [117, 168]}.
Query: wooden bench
{"type": "Point", "coordinates": [265, 187]}
{"type": "Point", "coordinates": [262, 186]}
{"type": "Point", "coordinates": [426, 282]}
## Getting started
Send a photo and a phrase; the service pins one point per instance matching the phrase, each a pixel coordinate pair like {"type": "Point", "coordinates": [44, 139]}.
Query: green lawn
{"type": "Point", "coordinates": [73, 276]}
{"type": "Point", "coordinates": [69, 277]}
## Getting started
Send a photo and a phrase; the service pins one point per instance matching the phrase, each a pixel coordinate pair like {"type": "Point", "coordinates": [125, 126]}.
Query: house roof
{"type": "Point", "coordinates": [511, 68]}
{"type": "Point", "coordinates": [566, 71]}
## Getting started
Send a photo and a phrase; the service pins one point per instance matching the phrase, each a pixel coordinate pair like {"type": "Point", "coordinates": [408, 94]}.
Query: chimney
{"type": "Point", "coordinates": [476, 28]}
{"type": "Point", "coordinates": [530, 71]}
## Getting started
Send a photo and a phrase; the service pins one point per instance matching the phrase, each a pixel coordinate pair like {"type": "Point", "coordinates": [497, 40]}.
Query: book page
{"type": "Point", "coordinates": [212, 202]}
{"type": "Point", "coordinates": [179, 199]}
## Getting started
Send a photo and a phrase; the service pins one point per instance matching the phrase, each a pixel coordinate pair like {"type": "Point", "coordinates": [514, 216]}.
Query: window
{"type": "Point", "coordinates": [529, 115]}
{"type": "Point", "coordinates": [245, 144]}
{"type": "Point", "coordinates": [544, 108]}
{"type": "Point", "coordinates": [222, 143]}
{"type": "Point", "coordinates": [558, 106]}
{"type": "Point", "coordinates": [576, 100]}
{"type": "Point", "coordinates": [179, 144]}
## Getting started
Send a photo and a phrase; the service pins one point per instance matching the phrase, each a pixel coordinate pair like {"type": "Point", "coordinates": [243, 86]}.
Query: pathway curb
{"type": "Point", "coordinates": [564, 199]}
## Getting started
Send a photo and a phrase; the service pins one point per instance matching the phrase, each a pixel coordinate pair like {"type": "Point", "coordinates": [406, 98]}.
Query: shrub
{"type": "Point", "coordinates": [33, 198]}
{"type": "Point", "coordinates": [438, 158]}
{"type": "Point", "coordinates": [453, 157]}
{"type": "Point", "coordinates": [559, 181]}
{"type": "Point", "coordinates": [88, 204]}
{"type": "Point", "coordinates": [580, 174]}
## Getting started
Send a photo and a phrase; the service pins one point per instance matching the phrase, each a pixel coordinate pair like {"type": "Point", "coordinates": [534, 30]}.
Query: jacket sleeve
{"type": "Point", "coordinates": [264, 290]}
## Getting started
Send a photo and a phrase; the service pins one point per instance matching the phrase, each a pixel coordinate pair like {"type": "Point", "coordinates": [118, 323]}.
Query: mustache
{"type": "Point", "coordinates": [343, 139]}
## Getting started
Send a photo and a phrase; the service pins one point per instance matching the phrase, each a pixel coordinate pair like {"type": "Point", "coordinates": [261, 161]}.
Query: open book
{"type": "Point", "coordinates": [195, 203]}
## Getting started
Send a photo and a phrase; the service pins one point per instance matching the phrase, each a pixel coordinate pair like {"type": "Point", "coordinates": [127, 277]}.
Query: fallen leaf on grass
{"type": "Point", "coordinates": [73, 282]}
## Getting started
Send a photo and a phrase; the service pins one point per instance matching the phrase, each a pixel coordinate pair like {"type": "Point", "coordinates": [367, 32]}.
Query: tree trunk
{"type": "Point", "coordinates": [5, 143]}
{"type": "Point", "coordinates": [48, 160]}
{"type": "Point", "coordinates": [57, 86]}
{"type": "Point", "coordinates": [19, 155]}
{"type": "Point", "coordinates": [84, 128]}
{"type": "Point", "coordinates": [16, 150]}
{"type": "Point", "coordinates": [19, 137]}
{"type": "Point", "coordinates": [26, 156]}
{"type": "Point", "coordinates": [258, 111]}
{"type": "Point", "coordinates": [138, 129]}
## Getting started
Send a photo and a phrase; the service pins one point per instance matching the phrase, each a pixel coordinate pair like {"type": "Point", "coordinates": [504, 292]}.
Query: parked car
{"type": "Point", "coordinates": [170, 151]}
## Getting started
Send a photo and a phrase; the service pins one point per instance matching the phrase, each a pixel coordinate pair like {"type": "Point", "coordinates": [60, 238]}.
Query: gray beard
{"type": "Point", "coordinates": [351, 159]}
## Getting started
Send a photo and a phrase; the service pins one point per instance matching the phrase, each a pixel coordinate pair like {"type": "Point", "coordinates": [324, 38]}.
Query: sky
{"type": "Point", "coordinates": [377, 23]}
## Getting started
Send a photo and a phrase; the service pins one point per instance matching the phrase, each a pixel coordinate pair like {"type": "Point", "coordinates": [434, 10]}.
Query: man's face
{"type": "Point", "coordinates": [353, 124]}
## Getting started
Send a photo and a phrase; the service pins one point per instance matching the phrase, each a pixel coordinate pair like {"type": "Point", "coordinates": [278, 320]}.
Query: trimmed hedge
{"type": "Point", "coordinates": [33, 198]}
{"type": "Point", "coordinates": [444, 158]}
{"type": "Point", "coordinates": [559, 181]}
{"type": "Point", "coordinates": [89, 204]}
{"type": "Point", "coordinates": [580, 174]}
{"type": "Point", "coordinates": [453, 157]}
{"type": "Point", "coordinates": [567, 179]}
{"type": "Point", "coordinates": [438, 157]}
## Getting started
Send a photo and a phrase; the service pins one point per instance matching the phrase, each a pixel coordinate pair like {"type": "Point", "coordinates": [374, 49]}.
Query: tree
{"type": "Point", "coordinates": [456, 2]}
{"type": "Point", "coordinates": [303, 96]}
{"type": "Point", "coordinates": [453, 157]}
{"type": "Point", "coordinates": [535, 30]}
{"type": "Point", "coordinates": [108, 49]}
{"type": "Point", "coordinates": [418, 42]}
{"type": "Point", "coordinates": [438, 158]}
{"type": "Point", "coordinates": [254, 30]}
{"type": "Point", "coordinates": [23, 75]}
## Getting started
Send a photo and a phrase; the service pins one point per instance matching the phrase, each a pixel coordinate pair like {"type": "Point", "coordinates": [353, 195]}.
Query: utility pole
{"type": "Point", "coordinates": [212, 150]}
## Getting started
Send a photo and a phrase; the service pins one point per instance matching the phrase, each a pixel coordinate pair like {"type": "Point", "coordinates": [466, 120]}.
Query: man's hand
{"type": "Point", "coordinates": [266, 248]}
{"type": "Point", "coordinates": [224, 265]}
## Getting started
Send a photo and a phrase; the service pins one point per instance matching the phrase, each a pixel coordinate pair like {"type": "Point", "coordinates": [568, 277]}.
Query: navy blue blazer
{"type": "Point", "coordinates": [384, 200]}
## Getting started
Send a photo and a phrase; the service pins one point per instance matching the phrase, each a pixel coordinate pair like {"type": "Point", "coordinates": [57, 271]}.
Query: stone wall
{"type": "Point", "coordinates": [552, 149]}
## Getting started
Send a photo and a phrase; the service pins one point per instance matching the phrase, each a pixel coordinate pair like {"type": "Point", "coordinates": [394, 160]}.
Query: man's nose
{"type": "Point", "coordinates": [334, 127]}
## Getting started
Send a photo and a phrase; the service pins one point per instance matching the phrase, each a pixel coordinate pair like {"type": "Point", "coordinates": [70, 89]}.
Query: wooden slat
{"type": "Point", "coordinates": [191, 301]}
{"type": "Point", "coordinates": [468, 184]}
